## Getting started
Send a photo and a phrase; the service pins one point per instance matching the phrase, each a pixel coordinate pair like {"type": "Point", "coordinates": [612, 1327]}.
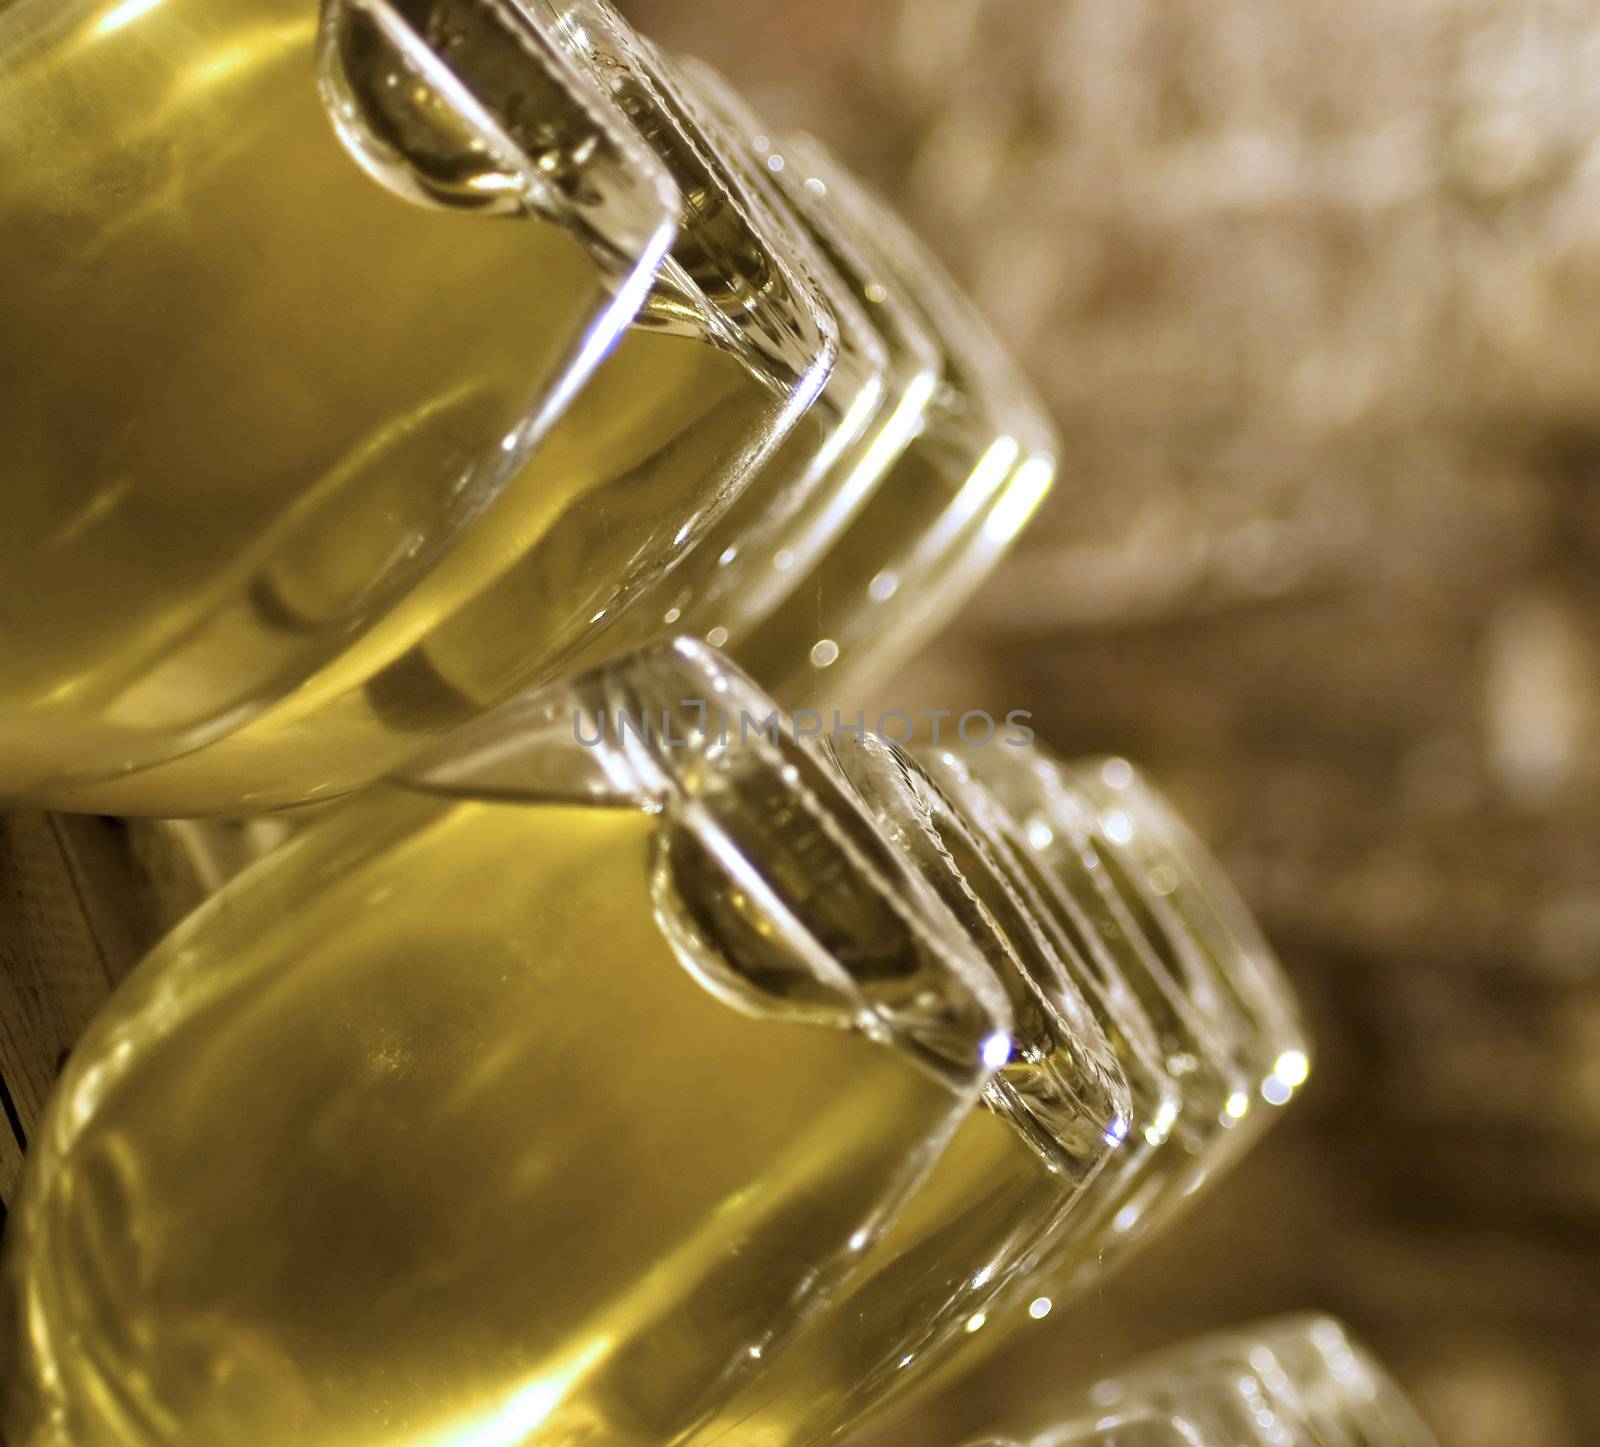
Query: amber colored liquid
{"type": "Point", "coordinates": [921, 1296]}
{"type": "Point", "coordinates": [663, 436]}
{"type": "Point", "coordinates": [1005, 1193]}
{"type": "Point", "coordinates": [727, 577]}
{"type": "Point", "coordinates": [245, 390]}
{"type": "Point", "coordinates": [420, 1134]}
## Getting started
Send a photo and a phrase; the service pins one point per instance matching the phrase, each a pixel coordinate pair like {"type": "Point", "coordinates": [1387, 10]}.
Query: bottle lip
{"type": "Point", "coordinates": [915, 356]}
{"type": "Point", "coordinates": [1210, 927]}
{"type": "Point", "coordinates": [1063, 1088]}
{"type": "Point", "coordinates": [1309, 1362]}
{"type": "Point", "coordinates": [625, 212]}
{"type": "Point", "coordinates": [985, 425]}
{"type": "Point", "coordinates": [782, 324]}
{"type": "Point", "coordinates": [1055, 825]}
{"type": "Point", "coordinates": [1095, 974]}
{"type": "Point", "coordinates": [1001, 400]}
{"type": "Point", "coordinates": [803, 174]}
{"type": "Point", "coordinates": [797, 507]}
{"type": "Point", "coordinates": [910, 368]}
{"type": "Point", "coordinates": [1003, 412]}
{"type": "Point", "coordinates": [676, 730]}
{"type": "Point", "coordinates": [1212, 968]}
{"type": "Point", "coordinates": [730, 124]}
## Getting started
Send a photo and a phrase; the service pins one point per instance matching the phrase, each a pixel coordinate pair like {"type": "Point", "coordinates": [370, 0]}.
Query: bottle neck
{"type": "Point", "coordinates": [733, 257]}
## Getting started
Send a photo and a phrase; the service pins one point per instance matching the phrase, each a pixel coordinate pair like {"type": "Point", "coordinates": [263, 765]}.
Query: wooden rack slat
{"type": "Point", "coordinates": [81, 900]}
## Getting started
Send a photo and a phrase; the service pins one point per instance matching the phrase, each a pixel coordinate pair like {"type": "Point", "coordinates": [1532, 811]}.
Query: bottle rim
{"type": "Point", "coordinates": [846, 251]}
{"type": "Point", "coordinates": [1308, 1364]}
{"type": "Point", "coordinates": [1208, 924]}
{"type": "Point", "coordinates": [624, 209]}
{"type": "Point", "coordinates": [1064, 1089]}
{"type": "Point", "coordinates": [1221, 989]}
{"type": "Point", "coordinates": [987, 426]}
{"type": "Point", "coordinates": [794, 505]}
{"type": "Point", "coordinates": [1094, 977]}
{"type": "Point", "coordinates": [778, 320]}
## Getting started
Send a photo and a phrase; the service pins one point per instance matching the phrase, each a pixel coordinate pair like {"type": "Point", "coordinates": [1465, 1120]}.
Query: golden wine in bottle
{"type": "Point", "coordinates": [723, 363]}
{"type": "Point", "coordinates": [1109, 908]}
{"type": "Point", "coordinates": [290, 305]}
{"type": "Point", "coordinates": [538, 1101]}
{"type": "Point", "coordinates": [798, 500]}
{"type": "Point", "coordinates": [1010, 1185]}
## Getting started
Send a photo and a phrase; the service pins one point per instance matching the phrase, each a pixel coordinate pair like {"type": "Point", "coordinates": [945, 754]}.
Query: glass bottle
{"type": "Point", "coordinates": [802, 499]}
{"type": "Point", "coordinates": [1163, 983]}
{"type": "Point", "coordinates": [1299, 1379]}
{"type": "Point", "coordinates": [730, 348]}
{"type": "Point", "coordinates": [239, 428]}
{"type": "Point", "coordinates": [1146, 910]}
{"type": "Point", "coordinates": [546, 1092]}
{"type": "Point", "coordinates": [937, 521]}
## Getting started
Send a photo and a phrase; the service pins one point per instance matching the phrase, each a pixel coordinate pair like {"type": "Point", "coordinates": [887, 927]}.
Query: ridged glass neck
{"type": "Point", "coordinates": [726, 126]}
{"type": "Point", "coordinates": [1062, 1088]}
{"type": "Point", "coordinates": [1316, 1381]}
{"type": "Point", "coordinates": [731, 255]}
{"type": "Point", "coordinates": [781, 894]}
{"type": "Point", "coordinates": [1177, 932]}
{"type": "Point", "coordinates": [985, 394]}
{"type": "Point", "coordinates": [1077, 937]}
{"type": "Point", "coordinates": [992, 422]}
{"type": "Point", "coordinates": [1190, 911]}
{"type": "Point", "coordinates": [847, 240]}
{"type": "Point", "coordinates": [842, 253]}
{"type": "Point", "coordinates": [979, 465]}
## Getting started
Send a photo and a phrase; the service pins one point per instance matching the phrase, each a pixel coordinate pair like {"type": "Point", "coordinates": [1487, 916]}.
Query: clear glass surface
{"type": "Point", "coordinates": [540, 1098]}
{"type": "Point", "coordinates": [794, 504]}
{"type": "Point", "coordinates": [292, 299]}
{"type": "Point", "coordinates": [941, 516]}
{"type": "Point", "coordinates": [1147, 908]}
{"type": "Point", "coordinates": [783, 529]}
{"type": "Point", "coordinates": [723, 362]}
{"type": "Point", "coordinates": [1008, 1187]}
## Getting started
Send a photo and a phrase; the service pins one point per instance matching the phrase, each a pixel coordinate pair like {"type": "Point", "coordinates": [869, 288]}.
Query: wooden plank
{"type": "Point", "coordinates": [81, 900]}
{"type": "Point", "coordinates": [135, 879]}
{"type": "Point", "coordinates": [53, 975]}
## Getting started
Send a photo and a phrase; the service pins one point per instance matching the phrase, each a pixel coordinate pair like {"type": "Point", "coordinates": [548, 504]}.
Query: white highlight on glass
{"type": "Point", "coordinates": [124, 14]}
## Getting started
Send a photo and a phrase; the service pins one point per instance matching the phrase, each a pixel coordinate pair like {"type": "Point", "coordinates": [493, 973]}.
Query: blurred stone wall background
{"type": "Point", "coordinates": [1315, 293]}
